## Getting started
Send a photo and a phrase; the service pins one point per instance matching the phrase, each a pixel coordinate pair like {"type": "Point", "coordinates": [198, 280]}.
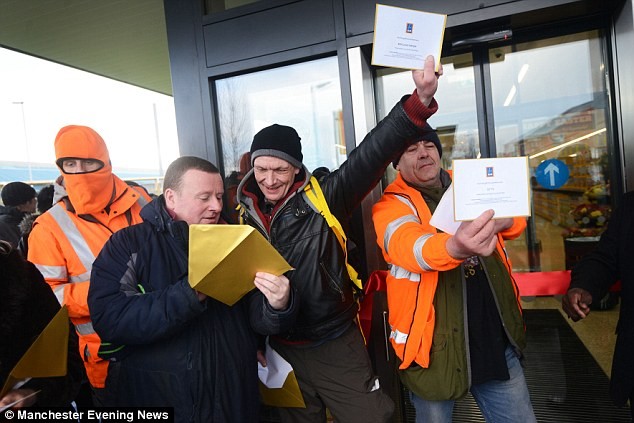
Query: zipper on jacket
{"type": "Point", "coordinates": [497, 306]}
{"type": "Point", "coordinates": [465, 322]}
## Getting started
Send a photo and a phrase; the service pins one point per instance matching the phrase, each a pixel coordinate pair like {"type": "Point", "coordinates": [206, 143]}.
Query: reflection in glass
{"type": "Point", "coordinates": [456, 119]}
{"type": "Point", "coordinates": [549, 100]}
{"type": "Point", "coordinates": [305, 96]}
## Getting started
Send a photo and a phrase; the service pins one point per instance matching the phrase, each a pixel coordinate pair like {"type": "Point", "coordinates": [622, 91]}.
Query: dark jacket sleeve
{"type": "Point", "coordinates": [599, 270]}
{"type": "Point", "coordinates": [121, 313]}
{"type": "Point", "coordinates": [346, 187]}
{"type": "Point", "coordinates": [267, 321]}
{"type": "Point", "coordinates": [54, 391]}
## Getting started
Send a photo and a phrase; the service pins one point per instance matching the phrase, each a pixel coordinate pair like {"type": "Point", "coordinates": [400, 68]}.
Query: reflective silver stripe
{"type": "Point", "coordinates": [52, 272]}
{"type": "Point", "coordinates": [142, 201]}
{"type": "Point", "coordinates": [393, 226]}
{"type": "Point", "coordinates": [59, 293]}
{"type": "Point", "coordinates": [401, 273]}
{"type": "Point", "coordinates": [399, 337]}
{"type": "Point", "coordinates": [80, 278]}
{"type": "Point", "coordinates": [75, 238]}
{"type": "Point", "coordinates": [418, 251]}
{"type": "Point", "coordinates": [129, 282]}
{"type": "Point", "coordinates": [85, 328]}
{"type": "Point", "coordinates": [408, 203]}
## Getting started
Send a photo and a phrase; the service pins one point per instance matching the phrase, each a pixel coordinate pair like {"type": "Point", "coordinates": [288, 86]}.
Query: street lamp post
{"type": "Point", "coordinates": [26, 140]}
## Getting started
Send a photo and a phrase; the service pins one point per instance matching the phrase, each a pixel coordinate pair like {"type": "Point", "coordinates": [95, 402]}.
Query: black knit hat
{"type": "Point", "coordinates": [16, 193]}
{"type": "Point", "coordinates": [278, 141]}
{"type": "Point", "coordinates": [428, 134]}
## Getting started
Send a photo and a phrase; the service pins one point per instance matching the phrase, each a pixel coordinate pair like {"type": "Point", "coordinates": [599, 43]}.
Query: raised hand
{"type": "Point", "coordinates": [426, 80]}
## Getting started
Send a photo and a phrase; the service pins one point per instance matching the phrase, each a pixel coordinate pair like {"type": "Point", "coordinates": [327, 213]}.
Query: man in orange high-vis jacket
{"type": "Point", "coordinates": [90, 204]}
{"type": "Point", "coordinates": [454, 309]}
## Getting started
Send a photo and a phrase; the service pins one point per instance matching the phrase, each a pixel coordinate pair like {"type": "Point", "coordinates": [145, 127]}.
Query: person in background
{"type": "Point", "coordinates": [44, 202]}
{"type": "Point", "coordinates": [19, 201]}
{"type": "Point", "coordinates": [45, 198]}
{"type": "Point", "coordinates": [27, 305]}
{"type": "Point", "coordinates": [325, 346]}
{"type": "Point", "coordinates": [454, 309]}
{"type": "Point", "coordinates": [91, 204]}
{"type": "Point", "coordinates": [591, 278]}
{"type": "Point", "coordinates": [171, 345]}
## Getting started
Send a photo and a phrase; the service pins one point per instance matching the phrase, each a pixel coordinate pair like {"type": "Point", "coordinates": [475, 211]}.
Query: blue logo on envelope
{"type": "Point", "coordinates": [489, 171]}
{"type": "Point", "coordinates": [409, 28]}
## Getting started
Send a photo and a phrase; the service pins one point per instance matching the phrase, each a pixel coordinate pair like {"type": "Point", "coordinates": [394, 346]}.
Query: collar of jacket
{"type": "Point", "coordinates": [155, 213]}
{"type": "Point", "coordinates": [12, 211]}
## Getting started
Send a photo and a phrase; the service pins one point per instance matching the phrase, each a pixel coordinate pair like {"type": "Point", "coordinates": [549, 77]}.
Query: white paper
{"type": "Point", "coordinates": [276, 371]}
{"type": "Point", "coordinates": [500, 184]}
{"type": "Point", "coordinates": [443, 215]}
{"type": "Point", "coordinates": [403, 38]}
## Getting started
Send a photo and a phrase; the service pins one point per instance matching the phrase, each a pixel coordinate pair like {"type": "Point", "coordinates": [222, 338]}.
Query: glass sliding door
{"type": "Point", "coordinates": [456, 120]}
{"type": "Point", "coordinates": [550, 104]}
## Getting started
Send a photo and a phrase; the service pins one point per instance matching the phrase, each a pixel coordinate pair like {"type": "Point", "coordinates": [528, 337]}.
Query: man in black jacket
{"type": "Point", "coordinates": [170, 345]}
{"type": "Point", "coordinates": [19, 200]}
{"type": "Point", "coordinates": [324, 346]}
{"type": "Point", "coordinates": [611, 261]}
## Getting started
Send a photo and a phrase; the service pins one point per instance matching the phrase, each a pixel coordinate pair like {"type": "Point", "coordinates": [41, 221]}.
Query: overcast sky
{"type": "Point", "coordinates": [43, 97]}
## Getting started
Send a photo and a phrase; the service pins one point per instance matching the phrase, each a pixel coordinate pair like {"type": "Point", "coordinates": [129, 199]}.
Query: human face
{"type": "Point", "coordinates": [420, 165]}
{"type": "Point", "coordinates": [274, 177]}
{"type": "Point", "coordinates": [29, 206]}
{"type": "Point", "coordinates": [199, 199]}
{"type": "Point", "coordinates": [81, 165]}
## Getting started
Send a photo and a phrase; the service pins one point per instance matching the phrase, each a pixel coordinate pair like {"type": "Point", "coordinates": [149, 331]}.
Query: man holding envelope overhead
{"type": "Point", "coordinates": [325, 346]}
{"type": "Point", "coordinates": [170, 345]}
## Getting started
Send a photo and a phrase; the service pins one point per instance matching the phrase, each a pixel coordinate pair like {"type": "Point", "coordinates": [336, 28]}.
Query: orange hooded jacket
{"type": "Point", "coordinates": [416, 252]}
{"type": "Point", "coordinates": [64, 242]}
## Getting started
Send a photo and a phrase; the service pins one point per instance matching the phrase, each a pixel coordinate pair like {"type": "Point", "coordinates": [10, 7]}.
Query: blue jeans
{"type": "Point", "coordinates": [499, 400]}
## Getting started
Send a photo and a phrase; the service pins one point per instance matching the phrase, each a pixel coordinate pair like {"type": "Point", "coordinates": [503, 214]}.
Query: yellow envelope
{"type": "Point", "coordinates": [46, 357]}
{"type": "Point", "coordinates": [278, 384]}
{"type": "Point", "coordinates": [288, 395]}
{"type": "Point", "coordinates": [223, 260]}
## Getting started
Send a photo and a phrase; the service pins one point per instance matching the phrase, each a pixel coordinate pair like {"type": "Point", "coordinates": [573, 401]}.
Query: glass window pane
{"type": "Point", "coordinates": [305, 96]}
{"type": "Point", "coordinates": [549, 100]}
{"type": "Point", "coordinates": [456, 119]}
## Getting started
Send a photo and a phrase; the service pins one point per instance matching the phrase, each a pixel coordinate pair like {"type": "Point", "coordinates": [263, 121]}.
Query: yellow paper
{"type": "Point", "coordinates": [288, 395]}
{"type": "Point", "coordinates": [46, 357]}
{"type": "Point", "coordinates": [223, 260]}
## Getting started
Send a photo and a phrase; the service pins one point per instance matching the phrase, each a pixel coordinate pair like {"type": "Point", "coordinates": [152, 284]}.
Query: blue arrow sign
{"type": "Point", "coordinates": [552, 173]}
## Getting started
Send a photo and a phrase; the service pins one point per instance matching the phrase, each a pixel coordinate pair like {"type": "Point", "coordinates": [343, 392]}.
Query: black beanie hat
{"type": "Point", "coordinates": [16, 193]}
{"type": "Point", "coordinates": [278, 141]}
{"type": "Point", "coordinates": [428, 134]}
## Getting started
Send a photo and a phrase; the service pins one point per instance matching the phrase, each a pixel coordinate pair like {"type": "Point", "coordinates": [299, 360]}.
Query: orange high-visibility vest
{"type": "Point", "coordinates": [63, 246]}
{"type": "Point", "coordinates": [416, 252]}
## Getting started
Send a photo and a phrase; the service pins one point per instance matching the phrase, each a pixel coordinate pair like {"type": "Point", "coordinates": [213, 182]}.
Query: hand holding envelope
{"type": "Point", "coordinates": [46, 357]}
{"type": "Point", "coordinates": [485, 193]}
{"type": "Point", "coordinates": [224, 260]}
